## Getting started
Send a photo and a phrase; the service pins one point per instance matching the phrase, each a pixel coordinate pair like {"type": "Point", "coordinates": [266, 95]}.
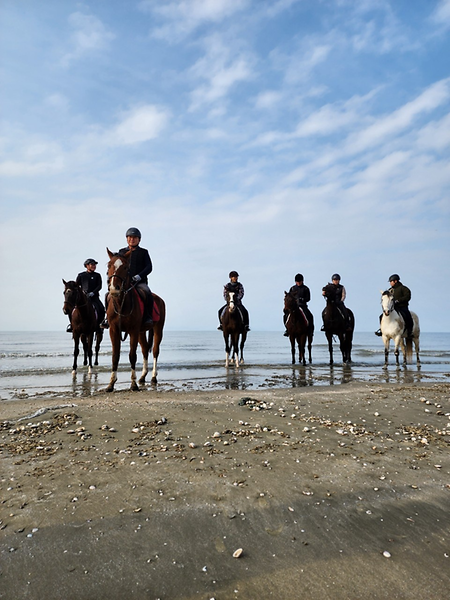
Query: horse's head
{"type": "Point", "coordinates": [231, 302]}
{"type": "Point", "coordinates": [71, 295]}
{"type": "Point", "coordinates": [290, 303]}
{"type": "Point", "coordinates": [329, 291]}
{"type": "Point", "coordinates": [117, 271]}
{"type": "Point", "coordinates": [387, 302]}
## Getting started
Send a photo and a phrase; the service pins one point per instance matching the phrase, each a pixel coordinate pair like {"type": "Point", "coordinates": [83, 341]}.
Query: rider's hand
{"type": "Point", "coordinates": [136, 278]}
{"type": "Point", "coordinates": [91, 294]}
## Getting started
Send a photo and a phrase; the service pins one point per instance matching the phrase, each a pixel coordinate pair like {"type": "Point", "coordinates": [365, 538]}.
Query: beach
{"type": "Point", "coordinates": [307, 492]}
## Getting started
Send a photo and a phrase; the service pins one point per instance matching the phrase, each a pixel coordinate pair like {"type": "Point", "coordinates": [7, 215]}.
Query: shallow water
{"type": "Point", "coordinates": [36, 364]}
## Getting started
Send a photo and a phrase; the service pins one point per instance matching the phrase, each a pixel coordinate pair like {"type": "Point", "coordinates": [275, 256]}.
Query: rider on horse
{"type": "Point", "coordinates": [402, 296]}
{"type": "Point", "coordinates": [302, 295]}
{"type": "Point", "coordinates": [235, 286]}
{"type": "Point", "coordinates": [91, 284]}
{"type": "Point", "coordinates": [140, 267]}
{"type": "Point", "coordinates": [340, 297]}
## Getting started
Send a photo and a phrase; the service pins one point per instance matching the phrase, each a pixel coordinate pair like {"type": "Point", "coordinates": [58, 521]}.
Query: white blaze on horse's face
{"type": "Point", "coordinates": [114, 289]}
{"type": "Point", "coordinates": [231, 302]}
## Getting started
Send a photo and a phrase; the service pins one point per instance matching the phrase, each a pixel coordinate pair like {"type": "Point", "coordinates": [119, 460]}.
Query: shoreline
{"type": "Point", "coordinates": [149, 494]}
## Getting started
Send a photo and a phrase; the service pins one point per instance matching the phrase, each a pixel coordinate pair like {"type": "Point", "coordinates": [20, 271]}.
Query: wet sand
{"type": "Point", "coordinates": [339, 492]}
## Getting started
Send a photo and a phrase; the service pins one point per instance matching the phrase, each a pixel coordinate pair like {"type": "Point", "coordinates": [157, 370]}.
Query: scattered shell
{"type": "Point", "coordinates": [237, 553]}
{"type": "Point", "coordinates": [386, 554]}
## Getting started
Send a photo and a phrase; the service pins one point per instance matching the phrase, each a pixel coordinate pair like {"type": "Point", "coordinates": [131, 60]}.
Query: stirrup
{"type": "Point", "coordinates": [322, 328]}
{"type": "Point", "coordinates": [286, 333]}
{"type": "Point", "coordinates": [220, 328]}
{"type": "Point", "coordinates": [378, 332]}
{"type": "Point", "coordinates": [69, 328]}
{"type": "Point", "coordinates": [104, 324]}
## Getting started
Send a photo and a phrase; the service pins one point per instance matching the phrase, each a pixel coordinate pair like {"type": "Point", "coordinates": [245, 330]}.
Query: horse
{"type": "Point", "coordinates": [125, 314]}
{"type": "Point", "coordinates": [234, 330]}
{"type": "Point", "coordinates": [334, 323]}
{"type": "Point", "coordinates": [393, 328]}
{"type": "Point", "coordinates": [84, 324]}
{"type": "Point", "coordinates": [298, 327]}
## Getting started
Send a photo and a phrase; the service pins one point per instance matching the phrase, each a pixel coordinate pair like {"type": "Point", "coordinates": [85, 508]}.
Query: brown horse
{"type": "Point", "coordinates": [335, 323]}
{"type": "Point", "coordinates": [233, 330]}
{"type": "Point", "coordinates": [84, 323]}
{"type": "Point", "coordinates": [125, 312]}
{"type": "Point", "coordinates": [299, 328]}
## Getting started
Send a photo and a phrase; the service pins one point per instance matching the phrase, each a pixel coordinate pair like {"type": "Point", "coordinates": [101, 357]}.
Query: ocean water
{"type": "Point", "coordinates": [38, 364]}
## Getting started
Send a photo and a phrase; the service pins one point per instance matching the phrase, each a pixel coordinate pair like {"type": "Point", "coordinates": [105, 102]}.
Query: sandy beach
{"type": "Point", "coordinates": [339, 492]}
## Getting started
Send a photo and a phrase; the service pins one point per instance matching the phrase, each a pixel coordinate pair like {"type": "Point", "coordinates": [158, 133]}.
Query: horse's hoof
{"type": "Point", "coordinates": [154, 381]}
{"type": "Point", "coordinates": [141, 381]}
{"type": "Point", "coordinates": [109, 389]}
{"type": "Point", "coordinates": [96, 363]}
{"type": "Point", "coordinates": [134, 387]}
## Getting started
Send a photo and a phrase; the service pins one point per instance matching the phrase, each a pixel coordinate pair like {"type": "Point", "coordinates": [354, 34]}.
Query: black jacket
{"type": "Point", "coordinates": [140, 262]}
{"type": "Point", "coordinates": [90, 282]}
{"type": "Point", "coordinates": [301, 293]}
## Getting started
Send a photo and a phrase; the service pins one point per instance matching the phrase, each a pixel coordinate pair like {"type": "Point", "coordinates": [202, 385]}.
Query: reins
{"type": "Point", "coordinates": [118, 309]}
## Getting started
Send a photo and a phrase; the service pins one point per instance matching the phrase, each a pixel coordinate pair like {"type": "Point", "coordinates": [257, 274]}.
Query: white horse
{"type": "Point", "coordinates": [393, 327]}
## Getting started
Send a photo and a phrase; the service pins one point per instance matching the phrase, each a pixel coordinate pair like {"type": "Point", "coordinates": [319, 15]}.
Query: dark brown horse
{"type": "Point", "coordinates": [84, 323]}
{"type": "Point", "coordinates": [299, 328]}
{"type": "Point", "coordinates": [125, 311]}
{"type": "Point", "coordinates": [335, 323]}
{"type": "Point", "coordinates": [233, 331]}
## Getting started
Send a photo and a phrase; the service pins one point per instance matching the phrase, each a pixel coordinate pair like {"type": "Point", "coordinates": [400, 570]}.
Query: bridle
{"type": "Point", "coordinates": [79, 293]}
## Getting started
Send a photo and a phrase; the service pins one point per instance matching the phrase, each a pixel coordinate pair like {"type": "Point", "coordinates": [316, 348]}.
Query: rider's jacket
{"type": "Point", "coordinates": [90, 282]}
{"type": "Point", "coordinates": [340, 293]}
{"type": "Point", "coordinates": [301, 293]}
{"type": "Point", "coordinates": [402, 295]}
{"type": "Point", "coordinates": [140, 262]}
{"type": "Point", "coordinates": [237, 288]}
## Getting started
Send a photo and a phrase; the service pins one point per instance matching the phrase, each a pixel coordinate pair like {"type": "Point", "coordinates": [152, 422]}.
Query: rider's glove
{"type": "Point", "coordinates": [91, 294]}
{"type": "Point", "coordinates": [136, 278]}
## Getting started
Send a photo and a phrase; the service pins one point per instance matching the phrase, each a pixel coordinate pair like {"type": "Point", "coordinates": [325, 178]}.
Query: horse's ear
{"type": "Point", "coordinates": [64, 282]}
{"type": "Point", "coordinates": [110, 254]}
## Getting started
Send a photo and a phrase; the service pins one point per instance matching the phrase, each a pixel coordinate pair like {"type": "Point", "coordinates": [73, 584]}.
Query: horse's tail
{"type": "Point", "coordinates": [409, 349]}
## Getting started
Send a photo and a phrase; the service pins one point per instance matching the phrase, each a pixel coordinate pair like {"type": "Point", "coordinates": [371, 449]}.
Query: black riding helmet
{"type": "Point", "coordinates": [233, 274]}
{"type": "Point", "coordinates": [299, 277]}
{"type": "Point", "coordinates": [133, 232]}
{"type": "Point", "coordinates": [394, 277]}
{"type": "Point", "coordinates": [336, 276]}
{"type": "Point", "coordinates": [88, 261]}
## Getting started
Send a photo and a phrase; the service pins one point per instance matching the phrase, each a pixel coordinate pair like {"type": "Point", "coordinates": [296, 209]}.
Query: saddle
{"type": "Point", "coordinates": [141, 297]}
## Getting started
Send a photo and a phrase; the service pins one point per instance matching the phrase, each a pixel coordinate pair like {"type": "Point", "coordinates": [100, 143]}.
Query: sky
{"type": "Point", "coordinates": [270, 137]}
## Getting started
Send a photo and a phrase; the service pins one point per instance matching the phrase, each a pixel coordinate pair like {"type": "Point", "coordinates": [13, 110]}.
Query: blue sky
{"type": "Point", "coordinates": [270, 137]}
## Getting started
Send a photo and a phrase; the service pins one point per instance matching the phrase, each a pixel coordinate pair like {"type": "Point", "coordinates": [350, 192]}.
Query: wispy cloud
{"type": "Point", "coordinates": [89, 35]}
{"type": "Point", "coordinates": [138, 125]}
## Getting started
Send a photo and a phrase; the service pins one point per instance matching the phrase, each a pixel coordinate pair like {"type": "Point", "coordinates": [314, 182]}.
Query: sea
{"type": "Point", "coordinates": [36, 365]}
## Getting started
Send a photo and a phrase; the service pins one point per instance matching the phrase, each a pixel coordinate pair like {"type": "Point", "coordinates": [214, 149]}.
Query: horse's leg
{"type": "Point", "coordinates": [397, 343]}
{"type": "Point", "coordinates": [134, 337]}
{"type": "Point", "coordinates": [88, 349]}
{"type": "Point", "coordinates": [144, 343]}
{"type": "Point", "coordinates": [114, 334]}
{"type": "Point", "coordinates": [156, 339]}
{"type": "Point", "coordinates": [85, 348]}
{"type": "Point", "coordinates": [310, 338]}
{"type": "Point", "coordinates": [236, 348]}
{"type": "Point", "coordinates": [243, 338]}
{"type": "Point", "coordinates": [98, 341]}
{"type": "Point", "coordinates": [76, 351]}
{"type": "Point", "coordinates": [416, 344]}
{"type": "Point", "coordinates": [330, 346]}
{"type": "Point", "coordinates": [292, 340]}
{"type": "Point", "coordinates": [227, 347]}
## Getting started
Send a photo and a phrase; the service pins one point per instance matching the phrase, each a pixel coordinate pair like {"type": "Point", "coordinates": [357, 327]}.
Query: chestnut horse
{"type": "Point", "coordinates": [299, 328]}
{"type": "Point", "coordinates": [233, 330]}
{"type": "Point", "coordinates": [125, 312]}
{"type": "Point", "coordinates": [84, 323]}
{"type": "Point", "coordinates": [334, 323]}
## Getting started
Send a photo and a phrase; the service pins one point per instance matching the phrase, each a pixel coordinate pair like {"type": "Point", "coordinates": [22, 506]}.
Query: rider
{"type": "Point", "coordinates": [402, 296]}
{"type": "Point", "coordinates": [235, 286]}
{"type": "Point", "coordinates": [91, 284]}
{"type": "Point", "coordinates": [140, 267]}
{"type": "Point", "coordinates": [341, 294]}
{"type": "Point", "coordinates": [302, 294]}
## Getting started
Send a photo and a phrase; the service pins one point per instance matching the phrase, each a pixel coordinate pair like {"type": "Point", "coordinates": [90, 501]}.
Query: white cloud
{"type": "Point", "coordinates": [138, 125]}
{"type": "Point", "coordinates": [221, 70]}
{"type": "Point", "coordinates": [441, 14]}
{"type": "Point", "coordinates": [184, 16]}
{"type": "Point", "coordinates": [89, 35]}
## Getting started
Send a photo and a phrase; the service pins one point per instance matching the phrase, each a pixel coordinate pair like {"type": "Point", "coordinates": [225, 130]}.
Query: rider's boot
{"type": "Point", "coordinates": [104, 324]}
{"type": "Point", "coordinates": [286, 333]}
{"type": "Point", "coordinates": [220, 328]}
{"type": "Point", "coordinates": [378, 332]}
{"type": "Point", "coordinates": [69, 328]}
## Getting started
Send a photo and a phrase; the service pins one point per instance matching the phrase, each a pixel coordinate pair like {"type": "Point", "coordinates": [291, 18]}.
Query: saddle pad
{"type": "Point", "coordinates": [155, 315]}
